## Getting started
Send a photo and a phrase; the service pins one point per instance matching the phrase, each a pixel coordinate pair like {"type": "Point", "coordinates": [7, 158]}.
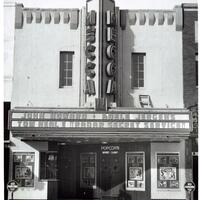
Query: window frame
{"type": "Point", "coordinates": [196, 70]}
{"type": "Point", "coordinates": [82, 185]}
{"type": "Point", "coordinates": [126, 172]}
{"type": "Point", "coordinates": [47, 179]}
{"type": "Point", "coordinates": [179, 182]}
{"type": "Point", "coordinates": [63, 76]}
{"type": "Point", "coordinates": [196, 31]}
{"type": "Point", "coordinates": [138, 70]}
{"type": "Point", "coordinates": [24, 153]}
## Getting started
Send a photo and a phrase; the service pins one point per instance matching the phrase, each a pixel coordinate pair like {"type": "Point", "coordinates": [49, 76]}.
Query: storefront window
{"type": "Point", "coordinates": [23, 169]}
{"type": "Point", "coordinates": [135, 171]}
{"type": "Point", "coordinates": [88, 170]}
{"type": "Point", "coordinates": [48, 165]}
{"type": "Point", "coordinates": [167, 170]}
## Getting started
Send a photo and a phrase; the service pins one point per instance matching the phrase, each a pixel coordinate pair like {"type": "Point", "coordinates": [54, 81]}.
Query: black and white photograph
{"type": "Point", "coordinates": [100, 99]}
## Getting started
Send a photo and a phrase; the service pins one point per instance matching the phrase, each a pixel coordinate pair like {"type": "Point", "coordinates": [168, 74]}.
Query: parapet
{"type": "Point", "coordinates": [46, 16]}
{"type": "Point", "coordinates": [153, 17]}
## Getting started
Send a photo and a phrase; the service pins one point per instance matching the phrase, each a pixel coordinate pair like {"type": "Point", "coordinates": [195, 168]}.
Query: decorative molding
{"type": "Point", "coordinates": [132, 18]}
{"type": "Point", "coordinates": [29, 17]}
{"type": "Point", "coordinates": [38, 16]}
{"type": "Point", "coordinates": [179, 18]}
{"type": "Point", "coordinates": [161, 18]}
{"type": "Point", "coordinates": [19, 16]}
{"type": "Point", "coordinates": [170, 18]}
{"type": "Point", "coordinates": [152, 18]}
{"type": "Point", "coordinates": [47, 19]}
{"type": "Point", "coordinates": [66, 17]}
{"type": "Point", "coordinates": [123, 18]}
{"type": "Point", "coordinates": [56, 17]}
{"type": "Point", "coordinates": [142, 18]}
{"type": "Point", "coordinates": [74, 22]}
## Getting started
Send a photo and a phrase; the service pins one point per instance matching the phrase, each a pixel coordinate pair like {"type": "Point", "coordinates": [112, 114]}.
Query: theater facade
{"type": "Point", "coordinates": [97, 108]}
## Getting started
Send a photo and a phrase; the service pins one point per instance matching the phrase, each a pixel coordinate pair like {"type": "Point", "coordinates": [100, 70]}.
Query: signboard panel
{"type": "Point", "coordinates": [189, 186]}
{"type": "Point", "coordinates": [23, 168]}
{"type": "Point", "coordinates": [135, 171]}
{"type": "Point", "coordinates": [90, 120]}
{"type": "Point", "coordinates": [167, 170]}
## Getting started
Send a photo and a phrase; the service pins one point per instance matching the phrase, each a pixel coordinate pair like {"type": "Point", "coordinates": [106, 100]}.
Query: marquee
{"type": "Point", "coordinates": [88, 120]}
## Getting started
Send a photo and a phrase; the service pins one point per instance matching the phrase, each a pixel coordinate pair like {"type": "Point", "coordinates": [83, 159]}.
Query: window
{"type": "Point", "coordinates": [88, 170]}
{"type": "Point", "coordinates": [66, 64]}
{"type": "Point", "coordinates": [48, 165]}
{"type": "Point", "coordinates": [168, 170]}
{"type": "Point", "coordinates": [196, 31]}
{"type": "Point", "coordinates": [137, 70]}
{"type": "Point", "coordinates": [135, 171]}
{"type": "Point", "coordinates": [196, 68]}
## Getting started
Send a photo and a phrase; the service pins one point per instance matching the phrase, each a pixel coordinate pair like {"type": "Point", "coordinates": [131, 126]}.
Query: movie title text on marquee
{"type": "Point", "coordinates": [93, 120]}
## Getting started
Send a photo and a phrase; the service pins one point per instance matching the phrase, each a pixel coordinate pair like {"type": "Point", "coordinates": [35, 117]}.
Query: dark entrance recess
{"type": "Point", "coordinates": [195, 177]}
{"type": "Point", "coordinates": [6, 148]}
{"type": "Point", "coordinates": [109, 172]}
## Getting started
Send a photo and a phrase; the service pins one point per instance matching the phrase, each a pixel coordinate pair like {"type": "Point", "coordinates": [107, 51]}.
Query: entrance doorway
{"type": "Point", "coordinates": [96, 171]}
{"type": "Point", "coordinates": [111, 175]}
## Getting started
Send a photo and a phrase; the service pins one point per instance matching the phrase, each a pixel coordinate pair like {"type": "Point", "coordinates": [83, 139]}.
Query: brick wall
{"type": "Point", "coordinates": [190, 48]}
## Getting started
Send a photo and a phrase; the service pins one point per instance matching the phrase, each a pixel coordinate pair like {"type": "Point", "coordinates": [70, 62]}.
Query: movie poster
{"type": "Point", "coordinates": [88, 170]}
{"type": "Point", "coordinates": [168, 170]}
{"type": "Point", "coordinates": [135, 171]}
{"type": "Point", "coordinates": [23, 169]}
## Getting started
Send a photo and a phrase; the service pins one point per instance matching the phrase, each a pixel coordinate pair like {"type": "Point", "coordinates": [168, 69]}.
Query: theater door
{"type": "Point", "coordinates": [111, 175]}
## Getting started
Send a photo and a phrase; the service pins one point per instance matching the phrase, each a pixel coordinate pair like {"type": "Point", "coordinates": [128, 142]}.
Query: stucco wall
{"type": "Point", "coordinates": [9, 20]}
{"type": "Point", "coordinates": [36, 70]}
{"type": "Point", "coordinates": [162, 44]}
{"type": "Point", "coordinates": [39, 191]}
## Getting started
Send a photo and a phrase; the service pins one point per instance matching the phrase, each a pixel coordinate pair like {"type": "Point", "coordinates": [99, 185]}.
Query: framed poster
{"type": "Point", "coordinates": [23, 168]}
{"type": "Point", "coordinates": [135, 171]}
{"type": "Point", "coordinates": [88, 170]}
{"type": "Point", "coordinates": [22, 172]}
{"type": "Point", "coordinates": [168, 170]}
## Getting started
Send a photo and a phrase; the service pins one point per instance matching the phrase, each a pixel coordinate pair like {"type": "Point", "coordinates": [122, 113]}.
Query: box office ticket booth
{"type": "Point", "coordinates": [115, 154]}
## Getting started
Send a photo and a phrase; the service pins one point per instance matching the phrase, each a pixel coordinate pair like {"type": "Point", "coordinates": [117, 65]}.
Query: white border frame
{"type": "Point", "coordinates": [156, 159]}
{"type": "Point", "coordinates": [126, 181]}
{"type": "Point", "coordinates": [11, 168]}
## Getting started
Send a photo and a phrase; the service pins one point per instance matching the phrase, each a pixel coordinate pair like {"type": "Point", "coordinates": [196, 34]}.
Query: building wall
{"type": "Point", "coordinates": [39, 191]}
{"type": "Point", "coordinates": [9, 20]}
{"type": "Point", "coordinates": [37, 48]}
{"type": "Point", "coordinates": [163, 64]}
{"type": "Point", "coordinates": [167, 193]}
{"type": "Point", "coordinates": [190, 48]}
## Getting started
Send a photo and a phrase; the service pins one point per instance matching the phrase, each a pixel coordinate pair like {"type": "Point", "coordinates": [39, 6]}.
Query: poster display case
{"type": "Point", "coordinates": [135, 171]}
{"type": "Point", "coordinates": [167, 170]}
{"type": "Point", "coordinates": [23, 168]}
{"type": "Point", "coordinates": [88, 170]}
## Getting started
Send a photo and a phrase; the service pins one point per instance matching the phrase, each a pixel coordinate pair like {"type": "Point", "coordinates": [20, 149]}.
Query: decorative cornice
{"type": "Point", "coordinates": [157, 17]}
{"type": "Point", "coordinates": [46, 16]}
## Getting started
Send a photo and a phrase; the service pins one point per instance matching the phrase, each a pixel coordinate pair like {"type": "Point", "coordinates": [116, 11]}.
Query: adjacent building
{"type": "Point", "coordinates": [190, 77]}
{"type": "Point", "coordinates": [100, 105]}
